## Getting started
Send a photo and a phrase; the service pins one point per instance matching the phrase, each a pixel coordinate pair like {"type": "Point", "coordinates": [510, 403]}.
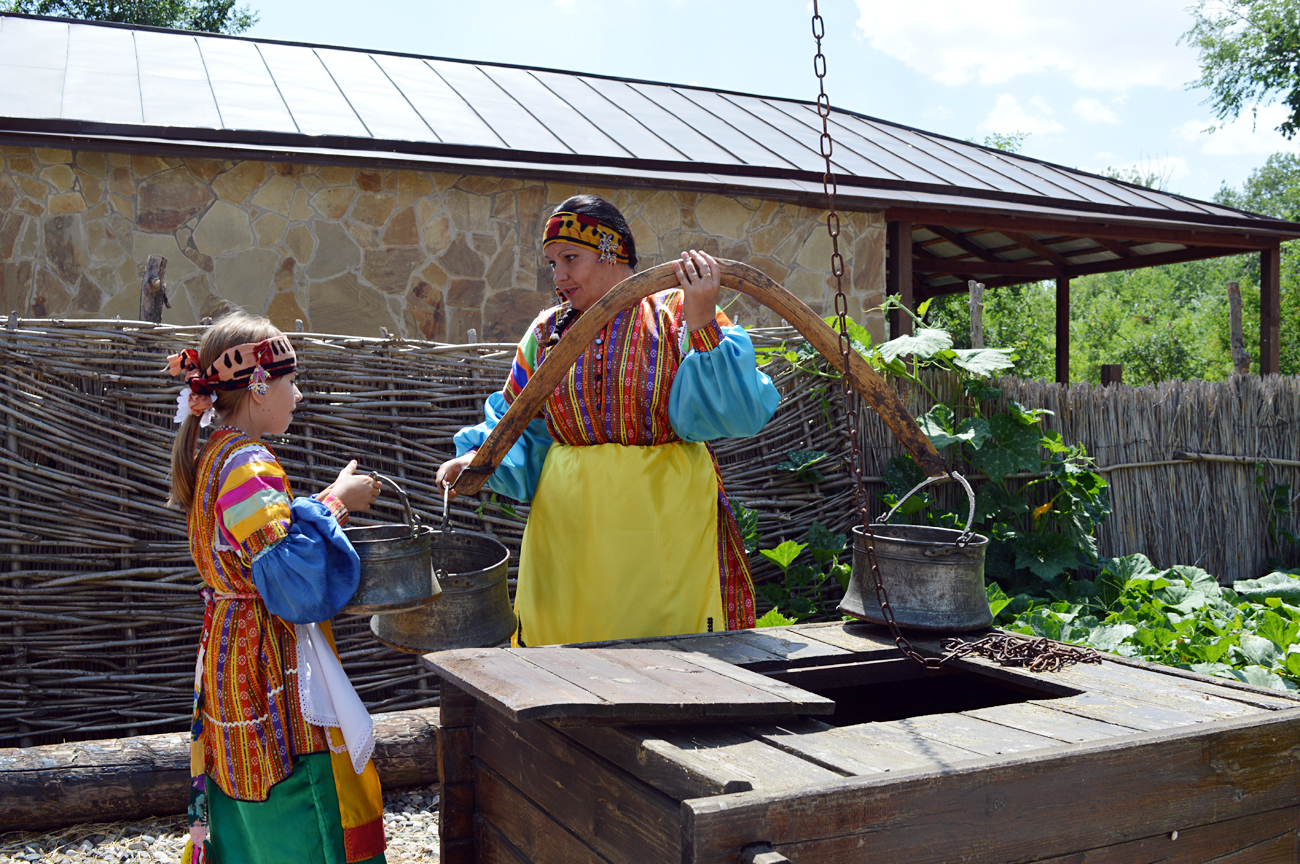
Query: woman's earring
{"type": "Point", "coordinates": [608, 249]}
{"type": "Point", "coordinates": [258, 383]}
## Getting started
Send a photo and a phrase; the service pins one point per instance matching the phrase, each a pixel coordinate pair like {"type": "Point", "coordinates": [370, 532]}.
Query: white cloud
{"type": "Point", "coordinates": [1092, 110]}
{"type": "Point", "coordinates": [936, 113]}
{"type": "Point", "coordinates": [568, 7]}
{"type": "Point", "coordinates": [1249, 135]}
{"type": "Point", "coordinates": [1009, 117]}
{"type": "Point", "coordinates": [1109, 45]}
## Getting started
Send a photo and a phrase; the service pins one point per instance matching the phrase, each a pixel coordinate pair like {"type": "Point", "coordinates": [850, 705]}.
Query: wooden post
{"type": "Point", "coordinates": [1112, 373]}
{"type": "Point", "coordinates": [1240, 359]}
{"type": "Point", "coordinates": [455, 749]}
{"type": "Point", "coordinates": [1270, 310]}
{"type": "Point", "coordinates": [898, 274]}
{"type": "Point", "coordinates": [1062, 329]}
{"type": "Point", "coordinates": [976, 303]}
{"type": "Point", "coordinates": [153, 290]}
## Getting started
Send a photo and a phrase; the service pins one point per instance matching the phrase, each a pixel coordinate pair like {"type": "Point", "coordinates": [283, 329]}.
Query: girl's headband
{"type": "Point", "coordinates": [586, 231]}
{"type": "Point", "coordinates": [248, 366]}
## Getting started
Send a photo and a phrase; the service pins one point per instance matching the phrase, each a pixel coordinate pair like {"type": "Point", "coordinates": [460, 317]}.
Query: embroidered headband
{"type": "Point", "coordinates": [249, 365]}
{"type": "Point", "coordinates": [588, 232]}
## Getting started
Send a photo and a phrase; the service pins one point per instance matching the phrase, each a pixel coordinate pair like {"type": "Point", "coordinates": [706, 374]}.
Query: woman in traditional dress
{"type": "Point", "coordinates": [280, 742]}
{"type": "Point", "coordinates": [630, 532]}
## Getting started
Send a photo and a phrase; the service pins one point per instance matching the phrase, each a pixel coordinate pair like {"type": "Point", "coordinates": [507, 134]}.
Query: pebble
{"type": "Point", "coordinates": [410, 824]}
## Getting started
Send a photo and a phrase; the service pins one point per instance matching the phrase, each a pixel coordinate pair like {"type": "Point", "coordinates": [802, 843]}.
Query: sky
{"type": "Point", "coordinates": [1094, 85]}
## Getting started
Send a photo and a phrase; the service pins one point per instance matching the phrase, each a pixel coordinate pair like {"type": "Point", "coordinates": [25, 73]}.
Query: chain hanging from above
{"type": "Point", "coordinates": [1036, 655]}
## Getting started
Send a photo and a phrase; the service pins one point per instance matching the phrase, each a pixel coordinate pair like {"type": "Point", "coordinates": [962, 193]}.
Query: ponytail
{"type": "Point", "coordinates": [184, 464]}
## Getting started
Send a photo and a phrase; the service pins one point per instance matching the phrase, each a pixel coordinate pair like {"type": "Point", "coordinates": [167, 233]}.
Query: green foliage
{"type": "Point", "coordinates": [209, 16]}
{"type": "Point", "coordinates": [1011, 143]}
{"type": "Point", "coordinates": [1179, 617]}
{"type": "Point", "coordinates": [795, 598]}
{"type": "Point", "coordinates": [1248, 55]}
{"type": "Point", "coordinates": [747, 521]}
{"type": "Point", "coordinates": [501, 507]}
{"type": "Point", "coordinates": [801, 462]}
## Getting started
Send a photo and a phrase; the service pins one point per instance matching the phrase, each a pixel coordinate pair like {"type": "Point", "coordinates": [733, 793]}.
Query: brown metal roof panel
{"type": "Point", "coordinates": [1012, 169]}
{"type": "Point", "coordinates": [243, 87]}
{"type": "Point", "coordinates": [1095, 189]}
{"type": "Point", "coordinates": [558, 116]}
{"type": "Point", "coordinates": [735, 113]}
{"type": "Point", "coordinates": [609, 117]}
{"type": "Point", "coordinates": [102, 83]}
{"type": "Point", "coordinates": [694, 146]}
{"type": "Point", "coordinates": [174, 88]}
{"type": "Point", "coordinates": [967, 159]}
{"type": "Point", "coordinates": [382, 107]}
{"type": "Point", "coordinates": [451, 117]}
{"type": "Point", "coordinates": [916, 149]}
{"type": "Point", "coordinates": [740, 145]}
{"type": "Point", "coordinates": [849, 146]}
{"type": "Point", "coordinates": [844, 161]}
{"type": "Point", "coordinates": [38, 44]}
{"type": "Point", "coordinates": [519, 129]}
{"type": "Point", "coordinates": [317, 104]}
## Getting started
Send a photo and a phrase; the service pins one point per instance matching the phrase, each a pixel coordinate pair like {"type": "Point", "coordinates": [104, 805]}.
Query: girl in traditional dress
{"type": "Point", "coordinates": [280, 743]}
{"type": "Point", "coordinates": [630, 532]}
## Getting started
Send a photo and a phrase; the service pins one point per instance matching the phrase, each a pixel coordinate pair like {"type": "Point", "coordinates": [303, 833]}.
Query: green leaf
{"type": "Point", "coordinates": [998, 600]}
{"type": "Point", "coordinates": [924, 307]}
{"type": "Point", "coordinates": [924, 344]}
{"type": "Point", "coordinates": [800, 460]}
{"type": "Point", "coordinates": [842, 573]}
{"type": "Point", "coordinates": [1276, 629]}
{"type": "Point", "coordinates": [747, 521]}
{"type": "Point", "coordinates": [1283, 586]}
{"type": "Point", "coordinates": [783, 556]}
{"type": "Point", "coordinates": [1258, 650]}
{"type": "Point", "coordinates": [1124, 569]}
{"type": "Point", "coordinates": [774, 618]}
{"type": "Point", "coordinates": [1261, 677]}
{"type": "Point", "coordinates": [1108, 637]}
{"type": "Point", "coordinates": [901, 474]}
{"type": "Point", "coordinates": [982, 361]}
{"type": "Point", "coordinates": [975, 431]}
{"type": "Point", "coordinates": [1014, 448]}
{"type": "Point", "coordinates": [979, 391]}
{"type": "Point", "coordinates": [1026, 416]}
{"type": "Point", "coordinates": [1046, 555]}
{"type": "Point", "coordinates": [826, 547]}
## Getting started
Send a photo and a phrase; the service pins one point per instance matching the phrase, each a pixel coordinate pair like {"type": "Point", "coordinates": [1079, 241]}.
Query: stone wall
{"type": "Point", "coordinates": [351, 249]}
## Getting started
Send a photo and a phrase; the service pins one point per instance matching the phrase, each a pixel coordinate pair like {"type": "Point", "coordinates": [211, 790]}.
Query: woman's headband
{"type": "Point", "coordinates": [586, 231]}
{"type": "Point", "coordinates": [247, 366]}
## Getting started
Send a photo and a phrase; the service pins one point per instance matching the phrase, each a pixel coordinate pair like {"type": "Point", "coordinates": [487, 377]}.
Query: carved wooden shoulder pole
{"type": "Point", "coordinates": [742, 278]}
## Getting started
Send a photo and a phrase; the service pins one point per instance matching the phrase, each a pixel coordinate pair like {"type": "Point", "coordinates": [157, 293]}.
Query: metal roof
{"type": "Point", "coordinates": [145, 87]}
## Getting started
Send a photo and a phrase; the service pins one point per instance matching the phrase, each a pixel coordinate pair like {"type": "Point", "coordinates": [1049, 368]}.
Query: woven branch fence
{"type": "Point", "coordinates": [98, 614]}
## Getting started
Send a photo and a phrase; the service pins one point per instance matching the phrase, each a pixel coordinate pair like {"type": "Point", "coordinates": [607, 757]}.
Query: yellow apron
{"type": "Point", "coordinates": [621, 542]}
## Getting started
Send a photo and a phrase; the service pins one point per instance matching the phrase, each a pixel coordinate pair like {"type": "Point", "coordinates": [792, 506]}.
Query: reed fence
{"type": "Point", "coordinates": [98, 612]}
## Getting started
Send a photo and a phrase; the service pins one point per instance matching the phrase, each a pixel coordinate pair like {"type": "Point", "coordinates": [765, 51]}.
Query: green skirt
{"type": "Point", "coordinates": [299, 821]}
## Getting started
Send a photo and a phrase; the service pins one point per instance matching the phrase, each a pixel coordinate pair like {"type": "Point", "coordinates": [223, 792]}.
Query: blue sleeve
{"type": "Point", "coordinates": [516, 476]}
{"type": "Point", "coordinates": [720, 393]}
{"type": "Point", "coordinates": [311, 574]}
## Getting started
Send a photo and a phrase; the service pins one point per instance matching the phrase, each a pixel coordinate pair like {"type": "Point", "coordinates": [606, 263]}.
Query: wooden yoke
{"type": "Point", "coordinates": [735, 275]}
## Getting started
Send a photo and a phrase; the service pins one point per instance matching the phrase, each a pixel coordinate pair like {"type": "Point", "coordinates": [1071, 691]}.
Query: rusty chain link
{"type": "Point", "coordinates": [1041, 655]}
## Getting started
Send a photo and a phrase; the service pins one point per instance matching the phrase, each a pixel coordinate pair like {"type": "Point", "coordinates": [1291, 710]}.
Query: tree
{"type": "Point", "coordinates": [210, 16]}
{"type": "Point", "coordinates": [1249, 55]}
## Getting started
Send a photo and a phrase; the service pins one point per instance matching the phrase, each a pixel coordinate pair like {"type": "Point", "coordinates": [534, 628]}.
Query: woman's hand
{"type": "Point", "coordinates": [356, 491]}
{"type": "Point", "coordinates": [449, 472]}
{"type": "Point", "coordinates": [700, 276]}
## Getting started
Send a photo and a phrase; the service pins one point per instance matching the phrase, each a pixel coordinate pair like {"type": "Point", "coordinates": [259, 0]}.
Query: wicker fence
{"type": "Point", "coordinates": [98, 616]}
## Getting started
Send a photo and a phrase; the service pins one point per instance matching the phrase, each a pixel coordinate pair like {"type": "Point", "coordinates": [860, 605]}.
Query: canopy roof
{"type": "Point", "coordinates": [974, 212]}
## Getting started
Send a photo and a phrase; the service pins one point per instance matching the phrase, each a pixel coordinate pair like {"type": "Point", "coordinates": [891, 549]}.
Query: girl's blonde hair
{"type": "Point", "coordinates": [233, 329]}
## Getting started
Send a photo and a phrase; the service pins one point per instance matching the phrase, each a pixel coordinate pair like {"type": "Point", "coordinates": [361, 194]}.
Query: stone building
{"type": "Point", "coordinates": [358, 190]}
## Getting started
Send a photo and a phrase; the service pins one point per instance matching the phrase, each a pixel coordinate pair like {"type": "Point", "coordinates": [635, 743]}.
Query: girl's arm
{"type": "Point", "coordinates": [719, 391]}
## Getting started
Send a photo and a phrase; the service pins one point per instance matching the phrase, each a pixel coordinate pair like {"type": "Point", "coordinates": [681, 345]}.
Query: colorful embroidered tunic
{"type": "Point", "coordinates": [631, 533]}
{"type": "Point", "coordinates": [254, 544]}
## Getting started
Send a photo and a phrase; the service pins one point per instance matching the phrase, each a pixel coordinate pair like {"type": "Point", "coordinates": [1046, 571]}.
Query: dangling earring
{"type": "Point", "coordinates": [608, 248]}
{"type": "Point", "coordinates": [257, 384]}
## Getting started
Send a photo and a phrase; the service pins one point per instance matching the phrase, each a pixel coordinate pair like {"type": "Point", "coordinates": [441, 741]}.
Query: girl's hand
{"type": "Point", "coordinates": [449, 472]}
{"type": "Point", "coordinates": [700, 276]}
{"type": "Point", "coordinates": [356, 491]}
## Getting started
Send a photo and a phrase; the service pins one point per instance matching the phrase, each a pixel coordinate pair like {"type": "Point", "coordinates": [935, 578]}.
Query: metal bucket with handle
{"type": "Point", "coordinates": [396, 563]}
{"type": "Point", "coordinates": [933, 577]}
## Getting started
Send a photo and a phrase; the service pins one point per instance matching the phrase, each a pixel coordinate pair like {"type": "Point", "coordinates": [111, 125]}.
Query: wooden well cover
{"type": "Point", "coordinates": [607, 686]}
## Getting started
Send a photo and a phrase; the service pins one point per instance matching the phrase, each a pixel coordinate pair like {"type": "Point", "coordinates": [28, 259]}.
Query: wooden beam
{"type": "Point", "coordinates": [1114, 246]}
{"type": "Point", "coordinates": [1270, 310]}
{"type": "Point", "coordinates": [898, 275]}
{"type": "Point", "coordinates": [1083, 229]}
{"type": "Point", "coordinates": [1063, 329]}
{"type": "Point", "coordinates": [1137, 262]}
{"type": "Point", "coordinates": [962, 243]}
{"type": "Point", "coordinates": [1040, 249]}
{"type": "Point", "coordinates": [959, 267]}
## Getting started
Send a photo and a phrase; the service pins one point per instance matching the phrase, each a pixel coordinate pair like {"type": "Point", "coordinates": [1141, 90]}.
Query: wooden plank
{"type": "Point", "coordinates": [501, 680]}
{"type": "Point", "coordinates": [1220, 701]}
{"type": "Point", "coordinates": [972, 733]}
{"type": "Point", "coordinates": [995, 809]}
{"type": "Point", "coordinates": [1264, 838]}
{"type": "Point", "coordinates": [1248, 693]}
{"type": "Point", "coordinates": [802, 702]}
{"type": "Point", "coordinates": [521, 827]}
{"type": "Point", "coordinates": [455, 747]}
{"type": "Point", "coordinates": [1042, 719]}
{"type": "Point", "coordinates": [725, 647]}
{"type": "Point", "coordinates": [863, 641]}
{"type": "Point", "coordinates": [1124, 711]}
{"type": "Point", "coordinates": [868, 748]}
{"type": "Point", "coordinates": [699, 761]}
{"type": "Point", "coordinates": [790, 645]}
{"type": "Point", "coordinates": [617, 815]}
{"type": "Point", "coordinates": [493, 847]}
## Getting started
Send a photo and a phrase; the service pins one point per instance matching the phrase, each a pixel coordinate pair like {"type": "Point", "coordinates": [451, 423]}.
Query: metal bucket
{"type": "Point", "coordinates": [933, 577]}
{"type": "Point", "coordinates": [474, 610]}
{"type": "Point", "coordinates": [396, 564]}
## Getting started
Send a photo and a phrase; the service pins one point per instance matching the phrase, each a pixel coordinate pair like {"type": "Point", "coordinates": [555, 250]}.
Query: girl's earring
{"type": "Point", "coordinates": [258, 383]}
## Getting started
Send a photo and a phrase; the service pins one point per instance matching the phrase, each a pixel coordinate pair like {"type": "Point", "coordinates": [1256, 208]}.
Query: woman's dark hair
{"type": "Point", "coordinates": [593, 205]}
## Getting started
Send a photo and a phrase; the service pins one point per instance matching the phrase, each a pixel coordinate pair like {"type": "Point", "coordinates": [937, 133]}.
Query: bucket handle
{"type": "Point", "coordinates": [965, 536]}
{"type": "Point", "coordinates": [411, 519]}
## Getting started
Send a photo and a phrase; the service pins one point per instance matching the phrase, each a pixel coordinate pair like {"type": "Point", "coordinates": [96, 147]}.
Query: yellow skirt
{"type": "Point", "coordinates": [621, 542]}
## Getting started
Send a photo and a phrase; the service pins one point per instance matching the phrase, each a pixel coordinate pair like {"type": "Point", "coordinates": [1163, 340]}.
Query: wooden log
{"type": "Point", "coordinates": [153, 289]}
{"type": "Point", "coordinates": [1062, 329]}
{"type": "Point", "coordinates": [149, 775]}
{"type": "Point", "coordinates": [1270, 310]}
{"type": "Point", "coordinates": [1240, 359]}
{"type": "Point", "coordinates": [1112, 373]}
{"type": "Point", "coordinates": [976, 303]}
{"type": "Point", "coordinates": [741, 277]}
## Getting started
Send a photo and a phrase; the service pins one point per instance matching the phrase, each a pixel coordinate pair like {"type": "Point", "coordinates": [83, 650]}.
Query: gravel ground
{"type": "Point", "coordinates": [410, 823]}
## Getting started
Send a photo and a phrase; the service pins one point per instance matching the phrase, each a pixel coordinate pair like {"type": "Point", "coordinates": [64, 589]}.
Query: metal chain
{"type": "Point", "coordinates": [1037, 656]}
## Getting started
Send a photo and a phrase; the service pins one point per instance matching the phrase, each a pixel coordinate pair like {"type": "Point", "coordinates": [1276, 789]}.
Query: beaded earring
{"type": "Point", "coordinates": [258, 383]}
{"type": "Point", "coordinates": [608, 248]}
